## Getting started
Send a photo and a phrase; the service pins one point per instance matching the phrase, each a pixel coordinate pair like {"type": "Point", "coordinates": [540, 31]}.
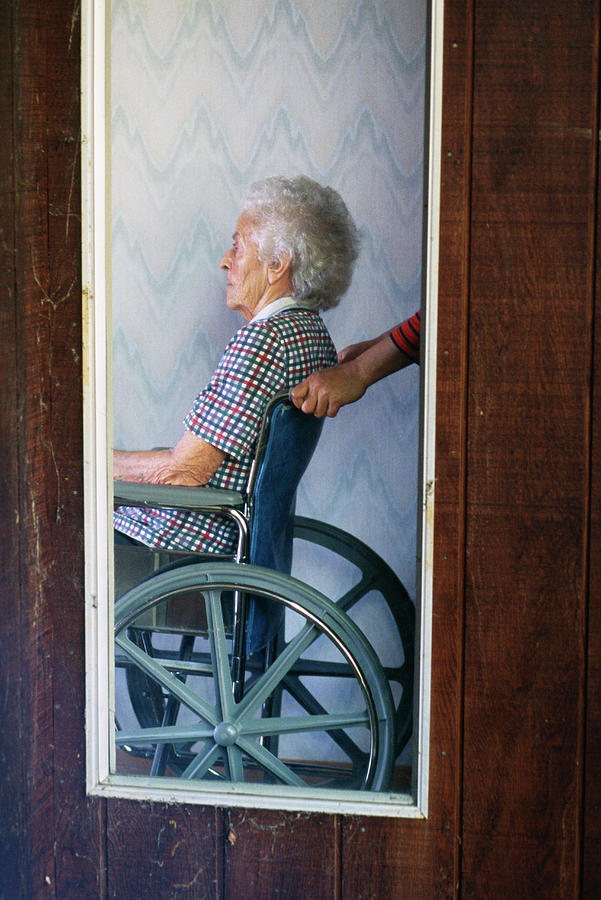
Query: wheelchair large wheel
{"type": "Point", "coordinates": [319, 712]}
{"type": "Point", "coordinates": [375, 598]}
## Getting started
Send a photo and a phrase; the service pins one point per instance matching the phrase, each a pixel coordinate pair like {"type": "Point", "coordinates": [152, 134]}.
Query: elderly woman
{"type": "Point", "coordinates": [293, 253]}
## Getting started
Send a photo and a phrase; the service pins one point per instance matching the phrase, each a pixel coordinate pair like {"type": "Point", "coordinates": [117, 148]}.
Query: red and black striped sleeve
{"type": "Point", "coordinates": [406, 336]}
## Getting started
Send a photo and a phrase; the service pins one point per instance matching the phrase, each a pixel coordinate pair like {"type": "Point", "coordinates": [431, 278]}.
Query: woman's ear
{"type": "Point", "coordinates": [279, 268]}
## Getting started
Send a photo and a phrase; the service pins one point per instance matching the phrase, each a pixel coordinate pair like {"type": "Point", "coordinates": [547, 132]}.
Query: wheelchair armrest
{"type": "Point", "coordinates": [174, 496]}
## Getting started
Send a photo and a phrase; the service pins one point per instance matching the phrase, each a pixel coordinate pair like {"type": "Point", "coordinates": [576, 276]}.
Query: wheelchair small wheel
{"type": "Point", "coordinates": [371, 582]}
{"type": "Point", "coordinates": [292, 725]}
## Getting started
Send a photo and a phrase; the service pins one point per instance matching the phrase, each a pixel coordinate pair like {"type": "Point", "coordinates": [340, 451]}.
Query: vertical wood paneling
{"type": "Point", "coordinates": [78, 822]}
{"type": "Point", "coordinates": [276, 854]}
{"type": "Point", "coordinates": [61, 853]}
{"type": "Point", "coordinates": [591, 876]}
{"type": "Point", "coordinates": [34, 626]}
{"type": "Point", "coordinates": [13, 690]}
{"type": "Point", "coordinates": [530, 259]}
{"type": "Point", "coordinates": [163, 852]}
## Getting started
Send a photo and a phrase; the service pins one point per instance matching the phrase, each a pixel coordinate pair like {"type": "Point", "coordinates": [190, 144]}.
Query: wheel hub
{"type": "Point", "coordinates": [225, 734]}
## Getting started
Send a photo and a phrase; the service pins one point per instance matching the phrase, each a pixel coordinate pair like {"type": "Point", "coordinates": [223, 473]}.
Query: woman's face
{"type": "Point", "coordinates": [247, 277]}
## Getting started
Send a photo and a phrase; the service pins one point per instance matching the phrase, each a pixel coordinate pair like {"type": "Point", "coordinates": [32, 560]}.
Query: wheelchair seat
{"type": "Point", "coordinates": [270, 669]}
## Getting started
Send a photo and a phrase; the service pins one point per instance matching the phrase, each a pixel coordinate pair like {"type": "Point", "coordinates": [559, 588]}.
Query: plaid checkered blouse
{"type": "Point", "coordinates": [264, 357]}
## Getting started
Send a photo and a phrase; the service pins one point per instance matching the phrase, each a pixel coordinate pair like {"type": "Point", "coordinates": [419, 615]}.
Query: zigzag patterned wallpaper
{"type": "Point", "coordinates": [207, 97]}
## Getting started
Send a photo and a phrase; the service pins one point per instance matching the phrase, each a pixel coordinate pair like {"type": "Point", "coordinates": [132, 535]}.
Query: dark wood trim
{"type": "Point", "coordinates": [591, 824]}
{"type": "Point", "coordinates": [14, 842]}
{"type": "Point", "coordinates": [534, 153]}
{"type": "Point", "coordinates": [56, 843]}
{"type": "Point", "coordinates": [265, 851]}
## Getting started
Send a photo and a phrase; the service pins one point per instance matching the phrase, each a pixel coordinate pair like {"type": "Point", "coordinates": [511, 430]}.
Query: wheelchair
{"type": "Point", "coordinates": [237, 671]}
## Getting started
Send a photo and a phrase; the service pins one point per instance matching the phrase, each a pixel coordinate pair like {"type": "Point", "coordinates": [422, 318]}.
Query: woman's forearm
{"type": "Point", "coordinates": [191, 462]}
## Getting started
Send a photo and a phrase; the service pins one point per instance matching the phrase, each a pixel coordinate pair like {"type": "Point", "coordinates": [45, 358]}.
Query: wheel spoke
{"type": "Point", "coordinates": [172, 684]}
{"type": "Point", "coordinates": [401, 673]}
{"type": "Point", "coordinates": [355, 593]}
{"type": "Point", "coordinates": [377, 577]}
{"type": "Point", "coordinates": [203, 761]}
{"type": "Point", "coordinates": [302, 695]}
{"type": "Point", "coordinates": [298, 724]}
{"type": "Point", "coordinates": [271, 763]}
{"type": "Point", "coordinates": [224, 700]}
{"type": "Point", "coordinates": [173, 664]}
{"type": "Point", "coordinates": [234, 764]}
{"type": "Point", "coordinates": [168, 734]}
{"type": "Point", "coordinates": [321, 668]}
{"type": "Point", "coordinates": [267, 683]}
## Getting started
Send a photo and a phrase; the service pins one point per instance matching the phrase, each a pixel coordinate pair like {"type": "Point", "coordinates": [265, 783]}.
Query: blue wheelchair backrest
{"type": "Point", "coordinates": [285, 447]}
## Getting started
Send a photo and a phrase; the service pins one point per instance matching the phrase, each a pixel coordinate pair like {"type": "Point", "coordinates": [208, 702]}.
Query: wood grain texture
{"type": "Point", "coordinates": [531, 255]}
{"type": "Point", "coordinates": [591, 846]}
{"type": "Point", "coordinates": [62, 842]}
{"type": "Point", "coordinates": [13, 690]}
{"type": "Point", "coordinates": [167, 852]}
{"type": "Point", "coordinates": [280, 855]}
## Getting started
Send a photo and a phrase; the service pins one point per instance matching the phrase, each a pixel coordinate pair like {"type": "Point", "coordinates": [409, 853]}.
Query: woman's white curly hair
{"type": "Point", "coordinates": [313, 226]}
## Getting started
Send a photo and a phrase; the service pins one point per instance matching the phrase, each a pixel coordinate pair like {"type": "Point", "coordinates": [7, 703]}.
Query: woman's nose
{"type": "Point", "coordinates": [226, 262]}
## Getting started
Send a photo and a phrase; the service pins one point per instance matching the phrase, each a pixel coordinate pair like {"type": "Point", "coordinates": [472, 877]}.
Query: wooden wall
{"type": "Point", "coordinates": [516, 768]}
